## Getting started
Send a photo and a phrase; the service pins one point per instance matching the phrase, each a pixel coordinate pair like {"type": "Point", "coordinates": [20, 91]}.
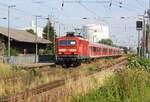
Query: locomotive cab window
{"type": "Point", "coordinates": [67, 42]}
{"type": "Point", "coordinates": [71, 42]}
{"type": "Point", "coordinates": [63, 43]}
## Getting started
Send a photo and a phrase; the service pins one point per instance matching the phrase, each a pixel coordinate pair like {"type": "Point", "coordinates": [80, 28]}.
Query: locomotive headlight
{"type": "Point", "coordinates": [62, 50]}
{"type": "Point", "coordinates": [72, 50]}
{"type": "Point", "coordinates": [59, 53]}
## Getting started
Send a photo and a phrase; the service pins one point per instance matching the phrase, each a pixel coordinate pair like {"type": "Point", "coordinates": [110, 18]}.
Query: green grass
{"type": "Point", "coordinates": [126, 86]}
{"type": "Point", "coordinates": [8, 72]}
{"type": "Point", "coordinates": [4, 72]}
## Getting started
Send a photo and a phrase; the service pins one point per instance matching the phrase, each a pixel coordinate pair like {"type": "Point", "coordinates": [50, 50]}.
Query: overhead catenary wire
{"type": "Point", "coordinates": [140, 5]}
{"type": "Point", "coordinates": [17, 9]}
{"type": "Point", "coordinates": [81, 2]}
{"type": "Point", "coordinates": [110, 2]}
{"type": "Point", "coordinates": [92, 12]}
{"type": "Point", "coordinates": [85, 1]}
{"type": "Point", "coordinates": [24, 12]}
{"type": "Point", "coordinates": [122, 5]}
{"type": "Point", "coordinates": [119, 4]}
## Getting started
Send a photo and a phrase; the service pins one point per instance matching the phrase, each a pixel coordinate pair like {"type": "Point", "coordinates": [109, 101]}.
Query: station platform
{"type": "Point", "coordinates": [35, 65]}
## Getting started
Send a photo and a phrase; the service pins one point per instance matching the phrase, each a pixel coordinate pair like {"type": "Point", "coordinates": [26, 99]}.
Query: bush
{"type": "Point", "coordinates": [46, 51]}
{"type": "Point", "coordinates": [13, 52]}
{"type": "Point", "coordinates": [126, 86]}
{"type": "Point", "coordinates": [138, 62]}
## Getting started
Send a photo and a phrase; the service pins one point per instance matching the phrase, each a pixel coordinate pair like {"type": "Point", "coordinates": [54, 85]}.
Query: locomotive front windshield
{"type": "Point", "coordinates": [67, 42]}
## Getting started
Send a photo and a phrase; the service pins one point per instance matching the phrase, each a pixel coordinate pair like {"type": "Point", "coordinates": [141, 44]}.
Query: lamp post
{"type": "Point", "coordinates": [10, 6]}
{"type": "Point", "coordinates": [36, 30]}
{"type": "Point", "coordinates": [48, 27]}
{"type": "Point", "coordinates": [36, 39]}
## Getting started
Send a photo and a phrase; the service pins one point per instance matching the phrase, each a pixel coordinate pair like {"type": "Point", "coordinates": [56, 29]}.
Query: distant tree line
{"type": "Point", "coordinates": [106, 42]}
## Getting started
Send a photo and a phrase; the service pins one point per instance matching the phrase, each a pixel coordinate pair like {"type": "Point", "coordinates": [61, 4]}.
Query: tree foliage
{"type": "Point", "coordinates": [106, 41]}
{"type": "Point", "coordinates": [49, 34]}
{"type": "Point", "coordinates": [30, 31]}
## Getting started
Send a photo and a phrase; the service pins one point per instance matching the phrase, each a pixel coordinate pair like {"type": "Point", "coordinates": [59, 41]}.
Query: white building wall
{"type": "Point", "coordinates": [39, 30]}
{"type": "Point", "coordinates": [95, 32]}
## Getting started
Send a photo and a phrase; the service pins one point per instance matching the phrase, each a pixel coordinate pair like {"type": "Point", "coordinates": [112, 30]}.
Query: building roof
{"type": "Point", "coordinates": [22, 36]}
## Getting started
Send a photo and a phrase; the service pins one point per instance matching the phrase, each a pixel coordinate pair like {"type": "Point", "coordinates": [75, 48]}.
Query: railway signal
{"type": "Point", "coordinates": [139, 25]}
{"type": "Point", "coordinates": [139, 28]}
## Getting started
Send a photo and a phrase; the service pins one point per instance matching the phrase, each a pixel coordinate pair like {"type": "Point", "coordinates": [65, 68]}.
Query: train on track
{"type": "Point", "coordinates": [71, 50]}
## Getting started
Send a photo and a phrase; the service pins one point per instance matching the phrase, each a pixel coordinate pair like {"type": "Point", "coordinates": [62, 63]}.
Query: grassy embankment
{"type": "Point", "coordinates": [129, 85]}
{"type": "Point", "coordinates": [82, 86]}
{"type": "Point", "coordinates": [27, 79]}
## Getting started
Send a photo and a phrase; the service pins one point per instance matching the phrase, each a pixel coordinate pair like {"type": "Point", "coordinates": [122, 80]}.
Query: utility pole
{"type": "Point", "coordinates": [59, 29]}
{"type": "Point", "coordinates": [36, 39]}
{"type": "Point", "coordinates": [139, 42]}
{"type": "Point", "coordinates": [54, 39]}
{"type": "Point", "coordinates": [36, 43]}
{"type": "Point", "coordinates": [148, 35]}
{"type": "Point", "coordinates": [48, 26]}
{"type": "Point", "coordinates": [144, 37]}
{"type": "Point", "coordinates": [8, 31]}
{"type": "Point", "coordinates": [149, 23]}
{"type": "Point", "coordinates": [143, 40]}
{"type": "Point", "coordinates": [10, 6]}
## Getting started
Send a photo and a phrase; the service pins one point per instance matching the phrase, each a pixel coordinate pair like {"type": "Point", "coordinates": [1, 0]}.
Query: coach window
{"type": "Point", "coordinates": [100, 50]}
{"type": "Point", "coordinates": [105, 51]}
{"type": "Point", "coordinates": [94, 49]}
{"type": "Point", "coordinates": [91, 48]}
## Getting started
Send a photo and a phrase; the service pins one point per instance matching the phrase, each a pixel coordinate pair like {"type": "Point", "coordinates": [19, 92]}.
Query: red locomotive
{"type": "Point", "coordinates": [72, 50]}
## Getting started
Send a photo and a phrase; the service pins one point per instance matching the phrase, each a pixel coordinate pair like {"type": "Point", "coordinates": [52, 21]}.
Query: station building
{"type": "Point", "coordinates": [21, 40]}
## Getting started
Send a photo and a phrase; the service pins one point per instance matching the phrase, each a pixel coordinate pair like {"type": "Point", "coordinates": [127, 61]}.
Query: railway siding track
{"type": "Point", "coordinates": [57, 83]}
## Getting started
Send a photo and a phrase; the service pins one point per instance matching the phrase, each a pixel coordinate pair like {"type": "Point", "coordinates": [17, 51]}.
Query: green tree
{"type": "Point", "coordinates": [30, 31]}
{"type": "Point", "coordinates": [106, 41]}
{"type": "Point", "coordinates": [49, 34]}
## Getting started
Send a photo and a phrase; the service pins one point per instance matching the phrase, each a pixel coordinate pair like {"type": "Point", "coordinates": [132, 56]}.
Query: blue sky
{"type": "Point", "coordinates": [123, 31]}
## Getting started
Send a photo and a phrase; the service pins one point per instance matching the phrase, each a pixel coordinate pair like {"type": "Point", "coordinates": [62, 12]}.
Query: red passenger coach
{"type": "Point", "coordinates": [101, 50]}
{"type": "Point", "coordinates": [71, 50]}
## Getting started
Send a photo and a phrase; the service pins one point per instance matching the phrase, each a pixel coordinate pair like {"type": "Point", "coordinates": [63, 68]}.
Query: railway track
{"type": "Point", "coordinates": [57, 83]}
